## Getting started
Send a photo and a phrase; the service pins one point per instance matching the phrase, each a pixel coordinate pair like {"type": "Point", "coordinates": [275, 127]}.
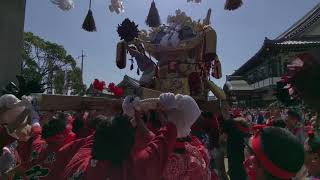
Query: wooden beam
{"type": "Point", "coordinates": [45, 102]}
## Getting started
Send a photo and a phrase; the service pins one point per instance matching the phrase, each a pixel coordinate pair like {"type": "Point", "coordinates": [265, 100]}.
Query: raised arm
{"type": "Point", "coordinates": [150, 162]}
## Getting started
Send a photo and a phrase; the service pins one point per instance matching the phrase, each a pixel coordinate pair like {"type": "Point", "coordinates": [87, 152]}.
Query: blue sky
{"type": "Point", "coordinates": [240, 33]}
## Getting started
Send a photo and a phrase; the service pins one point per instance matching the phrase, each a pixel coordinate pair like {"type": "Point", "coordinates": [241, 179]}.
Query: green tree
{"type": "Point", "coordinates": [77, 86]}
{"type": "Point", "coordinates": [47, 63]}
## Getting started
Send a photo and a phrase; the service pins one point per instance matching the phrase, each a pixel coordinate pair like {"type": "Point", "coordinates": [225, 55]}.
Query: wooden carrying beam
{"type": "Point", "coordinates": [44, 102]}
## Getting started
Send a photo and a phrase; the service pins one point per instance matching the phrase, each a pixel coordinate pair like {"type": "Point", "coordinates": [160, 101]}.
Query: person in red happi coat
{"type": "Point", "coordinates": [113, 156]}
{"type": "Point", "coordinates": [45, 156]}
{"type": "Point", "coordinates": [135, 153]}
{"type": "Point", "coordinates": [190, 158]}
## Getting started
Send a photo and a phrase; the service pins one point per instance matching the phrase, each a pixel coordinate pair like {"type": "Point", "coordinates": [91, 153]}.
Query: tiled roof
{"type": "Point", "coordinates": [289, 42]}
{"type": "Point", "coordinates": [302, 25]}
{"type": "Point", "coordinates": [133, 82]}
{"type": "Point", "coordinates": [286, 41]}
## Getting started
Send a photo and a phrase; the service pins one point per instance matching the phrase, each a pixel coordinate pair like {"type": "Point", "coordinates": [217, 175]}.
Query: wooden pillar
{"type": "Point", "coordinates": [12, 13]}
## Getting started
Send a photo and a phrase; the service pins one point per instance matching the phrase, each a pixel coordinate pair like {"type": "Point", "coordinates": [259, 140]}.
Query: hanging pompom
{"type": "Point", "coordinates": [128, 30]}
{"type": "Point", "coordinates": [138, 72]}
{"type": "Point", "coordinates": [89, 24]}
{"type": "Point", "coordinates": [153, 18]}
{"type": "Point", "coordinates": [64, 5]}
{"type": "Point", "coordinates": [232, 4]}
{"type": "Point", "coordinates": [116, 6]}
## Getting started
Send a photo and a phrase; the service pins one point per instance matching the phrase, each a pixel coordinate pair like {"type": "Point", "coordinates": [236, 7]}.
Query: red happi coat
{"type": "Point", "coordinates": [46, 159]}
{"type": "Point", "coordinates": [191, 164]}
{"type": "Point", "coordinates": [145, 163]}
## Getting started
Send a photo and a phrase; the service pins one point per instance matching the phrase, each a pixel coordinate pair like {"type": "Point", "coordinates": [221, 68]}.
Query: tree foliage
{"type": "Point", "coordinates": [50, 64]}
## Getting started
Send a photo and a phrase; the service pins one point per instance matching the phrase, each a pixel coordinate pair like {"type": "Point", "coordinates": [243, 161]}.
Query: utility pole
{"type": "Point", "coordinates": [82, 57]}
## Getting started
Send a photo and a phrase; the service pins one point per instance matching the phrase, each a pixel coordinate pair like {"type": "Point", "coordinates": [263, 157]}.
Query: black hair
{"type": "Point", "coordinates": [77, 124]}
{"type": "Point", "coordinates": [113, 140]}
{"type": "Point", "coordinates": [206, 114]}
{"type": "Point", "coordinates": [156, 123]}
{"type": "Point", "coordinates": [54, 126]}
{"type": "Point", "coordinates": [294, 114]}
{"type": "Point", "coordinates": [279, 123]}
{"type": "Point", "coordinates": [283, 149]}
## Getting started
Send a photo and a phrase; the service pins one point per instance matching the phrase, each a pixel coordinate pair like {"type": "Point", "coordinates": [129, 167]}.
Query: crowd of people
{"type": "Point", "coordinates": [167, 138]}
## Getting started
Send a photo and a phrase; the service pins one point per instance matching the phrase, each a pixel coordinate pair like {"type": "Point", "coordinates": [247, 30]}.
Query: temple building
{"type": "Point", "coordinates": [254, 83]}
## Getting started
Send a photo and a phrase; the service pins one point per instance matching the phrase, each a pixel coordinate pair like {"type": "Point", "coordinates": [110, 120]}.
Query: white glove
{"type": "Point", "coordinates": [168, 101]}
{"type": "Point", "coordinates": [27, 102]}
{"type": "Point", "coordinates": [129, 104]}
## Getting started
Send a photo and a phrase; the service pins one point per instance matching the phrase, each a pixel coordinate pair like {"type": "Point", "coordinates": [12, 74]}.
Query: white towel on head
{"type": "Point", "coordinates": [185, 115]}
{"type": "Point", "coordinates": [12, 107]}
{"type": "Point", "coordinates": [8, 101]}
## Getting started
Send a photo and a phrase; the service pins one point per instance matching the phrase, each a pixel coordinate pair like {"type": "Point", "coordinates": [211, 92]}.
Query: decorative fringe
{"type": "Point", "coordinates": [138, 72]}
{"type": "Point", "coordinates": [153, 18]}
{"type": "Point", "coordinates": [89, 24]}
{"type": "Point", "coordinates": [232, 4]}
{"type": "Point", "coordinates": [131, 67]}
{"type": "Point", "coordinates": [216, 69]}
{"type": "Point", "coordinates": [157, 72]}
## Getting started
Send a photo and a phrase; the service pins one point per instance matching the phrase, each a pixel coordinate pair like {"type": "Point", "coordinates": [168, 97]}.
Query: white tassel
{"type": "Point", "coordinates": [64, 5]}
{"type": "Point", "coordinates": [116, 6]}
{"type": "Point", "coordinates": [194, 1]}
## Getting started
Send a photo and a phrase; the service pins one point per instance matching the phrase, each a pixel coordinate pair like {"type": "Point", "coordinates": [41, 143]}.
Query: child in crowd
{"type": "Point", "coordinates": [312, 152]}
{"type": "Point", "coordinates": [273, 154]}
